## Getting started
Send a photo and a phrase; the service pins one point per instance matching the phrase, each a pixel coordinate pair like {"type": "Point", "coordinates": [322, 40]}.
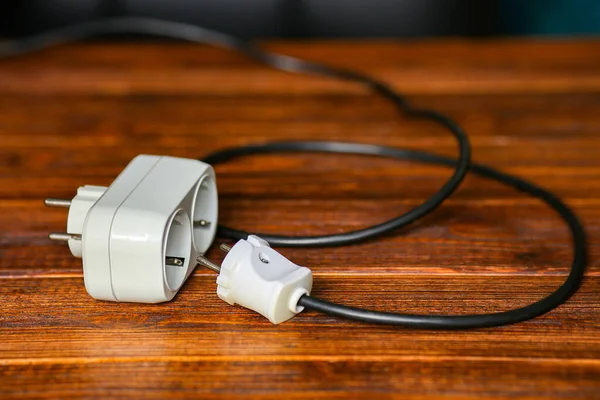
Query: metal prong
{"type": "Point", "coordinates": [208, 264]}
{"type": "Point", "coordinates": [201, 223]}
{"type": "Point", "coordinates": [225, 247]}
{"type": "Point", "coordinates": [175, 261]}
{"type": "Point", "coordinates": [57, 203]}
{"type": "Point", "coordinates": [64, 236]}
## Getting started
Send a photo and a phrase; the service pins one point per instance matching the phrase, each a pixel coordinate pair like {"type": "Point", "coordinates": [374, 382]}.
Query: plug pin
{"type": "Point", "coordinates": [65, 203]}
{"type": "Point", "coordinates": [202, 223]}
{"type": "Point", "coordinates": [225, 247]}
{"type": "Point", "coordinates": [64, 236]}
{"type": "Point", "coordinates": [174, 261]}
{"type": "Point", "coordinates": [205, 262]}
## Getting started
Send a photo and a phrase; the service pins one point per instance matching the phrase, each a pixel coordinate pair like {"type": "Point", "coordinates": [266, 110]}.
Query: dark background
{"type": "Point", "coordinates": [323, 18]}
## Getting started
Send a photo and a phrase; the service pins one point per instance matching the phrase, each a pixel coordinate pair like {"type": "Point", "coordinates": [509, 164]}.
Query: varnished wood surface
{"type": "Point", "coordinates": [77, 114]}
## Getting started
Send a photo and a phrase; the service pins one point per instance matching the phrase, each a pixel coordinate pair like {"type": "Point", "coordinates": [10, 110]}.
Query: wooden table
{"type": "Point", "coordinates": [76, 115]}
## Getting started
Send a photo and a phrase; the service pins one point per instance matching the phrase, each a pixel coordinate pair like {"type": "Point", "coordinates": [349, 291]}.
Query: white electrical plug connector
{"type": "Point", "coordinates": [140, 237]}
{"type": "Point", "coordinates": [257, 277]}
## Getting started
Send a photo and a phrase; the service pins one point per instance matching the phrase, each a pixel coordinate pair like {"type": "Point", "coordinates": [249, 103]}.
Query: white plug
{"type": "Point", "coordinates": [140, 237]}
{"type": "Point", "coordinates": [257, 277]}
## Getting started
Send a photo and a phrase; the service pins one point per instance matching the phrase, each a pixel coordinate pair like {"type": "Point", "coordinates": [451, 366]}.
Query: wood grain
{"type": "Point", "coordinates": [77, 114]}
{"type": "Point", "coordinates": [512, 378]}
{"type": "Point", "coordinates": [187, 327]}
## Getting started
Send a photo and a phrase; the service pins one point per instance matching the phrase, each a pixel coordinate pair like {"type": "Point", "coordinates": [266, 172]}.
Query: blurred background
{"type": "Point", "coordinates": [323, 18]}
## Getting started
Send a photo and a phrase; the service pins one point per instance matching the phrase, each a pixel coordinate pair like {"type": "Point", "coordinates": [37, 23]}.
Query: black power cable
{"type": "Point", "coordinates": [461, 166]}
{"type": "Point", "coordinates": [427, 321]}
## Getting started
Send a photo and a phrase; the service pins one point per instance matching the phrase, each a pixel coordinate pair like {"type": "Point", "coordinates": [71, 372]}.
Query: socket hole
{"type": "Point", "coordinates": [264, 258]}
{"type": "Point", "coordinates": [205, 214]}
{"type": "Point", "coordinates": [177, 249]}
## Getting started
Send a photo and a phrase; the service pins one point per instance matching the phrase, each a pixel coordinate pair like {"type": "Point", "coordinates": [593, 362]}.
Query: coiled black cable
{"type": "Point", "coordinates": [461, 166]}
{"type": "Point", "coordinates": [428, 321]}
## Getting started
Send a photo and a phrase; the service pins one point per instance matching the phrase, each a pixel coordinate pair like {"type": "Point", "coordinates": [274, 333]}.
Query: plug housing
{"type": "Point", "coordinates": [138, 238]}
{"type": "Point", "coordinates": [257, 277]}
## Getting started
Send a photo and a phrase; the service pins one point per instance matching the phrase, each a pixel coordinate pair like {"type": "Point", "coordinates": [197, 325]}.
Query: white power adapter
{"type": "Point", "coordinates": [140, 237]}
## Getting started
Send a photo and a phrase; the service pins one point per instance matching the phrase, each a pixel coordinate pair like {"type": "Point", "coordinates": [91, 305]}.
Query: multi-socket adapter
{"type": "Point", "coordinates": [140, 237]}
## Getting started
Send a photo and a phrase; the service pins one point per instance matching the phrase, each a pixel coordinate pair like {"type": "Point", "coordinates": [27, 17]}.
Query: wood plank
{"type": "Point", "coordinates": [71, 81]}
{"type": "Point", "coordinates": [410, 378]}
{"type": "Point", "coordinates": [485, 73]}
{"type": "Point", "coordinates": [547, 112]}
{"type": "Point", "coordinates": [44, 319]}
{"type": "Point", "coordinates": [514, 158]}
{"type": "Point", "coordinates": [504, 237]}
{"type": "Point", "coordinates": [515, 152]}
{"type": "Point", "coordinates": [527, 54]}
{"type": "Point", "coordinates": [289, 176]}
